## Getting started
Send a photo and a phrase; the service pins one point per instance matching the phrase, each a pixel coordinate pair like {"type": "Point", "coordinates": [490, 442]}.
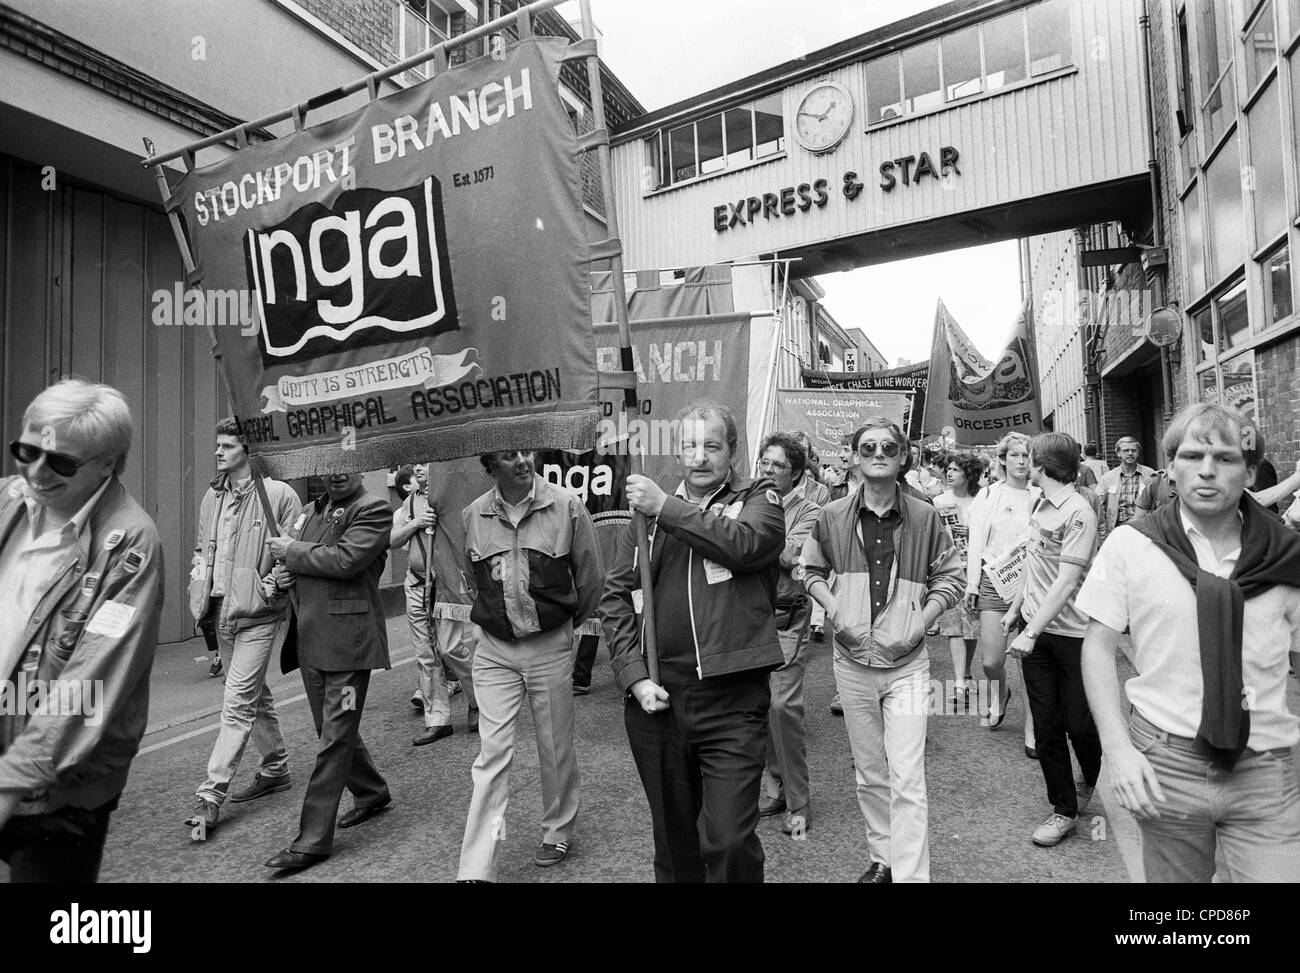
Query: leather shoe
{"type": "Point", "coordinates": [877, 874]}
{"type": "Point", "coordinates": [1031, 753]}
{"type": "Point", "coordinates": [290, 859]}
{"type": "Point", "coordinates": [359, 814]}
{"type": "Point", "coordinates": [432, 735]}
{"type": "Point", "coordinates": [768, 806]}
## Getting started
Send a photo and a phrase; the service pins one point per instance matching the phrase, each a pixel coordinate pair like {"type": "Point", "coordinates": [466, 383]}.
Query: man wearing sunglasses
{"type": "Point", "coordinates": [895, 572]}
{"type": "Point", "coordinates": [81, 589]}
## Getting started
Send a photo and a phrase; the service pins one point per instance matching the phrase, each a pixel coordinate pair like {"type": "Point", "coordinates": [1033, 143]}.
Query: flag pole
{"type": "Point", "coordinates": [640, 525]}
{"type": "Point", "coordinates": [187, 261]}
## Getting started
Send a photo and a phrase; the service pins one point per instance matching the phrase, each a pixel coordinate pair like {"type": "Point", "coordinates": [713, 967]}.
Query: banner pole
{"type": "Point", "coordinates": [640, 525]}
{"type": "Point", "coordinates": [187, 261]}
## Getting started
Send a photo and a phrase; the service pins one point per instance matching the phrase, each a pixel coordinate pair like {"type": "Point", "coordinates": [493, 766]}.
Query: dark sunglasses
{"type": "Point", "coordinates": [889, 449]}
{"type": "Point", "coordinates": [60, 463]}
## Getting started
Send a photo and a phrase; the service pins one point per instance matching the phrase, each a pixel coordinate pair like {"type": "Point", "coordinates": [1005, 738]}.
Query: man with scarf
{"type": "Point", "coordinates": [1209, 585]}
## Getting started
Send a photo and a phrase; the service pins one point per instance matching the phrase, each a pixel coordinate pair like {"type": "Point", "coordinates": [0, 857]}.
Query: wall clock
{"type": "Point", "coordinates": [823, 117]}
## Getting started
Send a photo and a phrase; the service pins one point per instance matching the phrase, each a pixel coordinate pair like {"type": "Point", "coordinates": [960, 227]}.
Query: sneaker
{"type": "Point", "coordinates": [204, 816]}
{"type": "Point", "coordinates": [581, 690]}
{"type": "Point", "coordinates": [1083, 795]}
{"type": "Point", "coordinates": [548, 855]}
{"type": "Point", "coordinates": [1054, 830]}
{"type": "Point", "coordinates": [453, 687]}
{"type": "Point", "coordinates": [217, 666]}
{"type": "Point", "coordinates": [260, 787]}
{"type": "Point", "coordinates": [836, 708]}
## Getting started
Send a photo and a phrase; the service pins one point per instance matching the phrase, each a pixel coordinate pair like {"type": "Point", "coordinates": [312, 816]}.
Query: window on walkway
{"type": "Point", "coordinates": [984, 57]}
{"type": "Point", "coordinates": [715, 143]}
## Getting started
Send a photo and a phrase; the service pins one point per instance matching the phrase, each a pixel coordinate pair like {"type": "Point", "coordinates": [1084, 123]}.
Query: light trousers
{"type": "Point", "coordinates": [885, 715]}
{"type": "Point", "coordinates": [538, 668]}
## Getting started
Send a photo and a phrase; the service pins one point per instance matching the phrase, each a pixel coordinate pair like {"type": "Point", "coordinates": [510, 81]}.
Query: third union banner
{"type": "Point", "coordinates": [972, 401]}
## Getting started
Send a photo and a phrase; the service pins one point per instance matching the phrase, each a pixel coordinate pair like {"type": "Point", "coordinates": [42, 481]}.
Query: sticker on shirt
{"type": "Point", "coordinates": [773, 497]}
{"type": "Point", "coordinates": [715, 573]}
{"type": "Point", "coordinates": [302, 519]}
{"type": "Point", "coordinates": [112, 619]}
{"type": "Point", "coordinates": [638, 601]}
{"type": "Point", "coordinates": [731, 511]}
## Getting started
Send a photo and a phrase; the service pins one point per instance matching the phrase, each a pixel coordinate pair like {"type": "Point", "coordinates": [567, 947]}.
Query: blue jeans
{"type": "Point", "coordinates": [1252, 812]}
{"type": "Point", "coordinates": [247, 709]}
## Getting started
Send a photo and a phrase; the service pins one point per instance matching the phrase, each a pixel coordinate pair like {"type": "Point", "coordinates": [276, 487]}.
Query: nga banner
{"type": "Point", "coordinates": [416, 274]}
{"type": "Point", "coordinates": [828, 416]}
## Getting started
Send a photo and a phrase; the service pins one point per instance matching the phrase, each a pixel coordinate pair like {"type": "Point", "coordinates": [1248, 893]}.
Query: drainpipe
{"type": "Point", "coordinates": [1157, 221]}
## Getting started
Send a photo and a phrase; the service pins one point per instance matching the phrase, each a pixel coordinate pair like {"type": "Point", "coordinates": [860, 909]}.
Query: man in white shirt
{"type": "Point", "coordinates": [1207, 586]}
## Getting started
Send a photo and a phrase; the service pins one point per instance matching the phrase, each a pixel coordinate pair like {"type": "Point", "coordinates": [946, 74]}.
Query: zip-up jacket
{"type": "Point", "coordinates": [735, 541]}
{"type": "Point", "coordinates": [250, 538]}
{"type": "Point", "coordinates": [536, 576]}
{"type": "Point", "coordinates": [1107, 505]}
{"type": "Point", "coordinates": [926, 565]}
{"type": "Point", "coordinates": [800, 515]}
{"type": "Point", "coordinates": [96, 625]}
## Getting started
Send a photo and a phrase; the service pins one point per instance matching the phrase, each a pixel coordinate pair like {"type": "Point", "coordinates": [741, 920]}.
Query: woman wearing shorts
{"type": "Point", "coordinates": [999, 521]}
{"type": "Point", "coordinates": [962, 471]}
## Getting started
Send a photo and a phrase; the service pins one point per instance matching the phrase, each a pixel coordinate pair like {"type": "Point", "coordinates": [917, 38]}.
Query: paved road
{"type": "Point", "coordinates": [985, 796]}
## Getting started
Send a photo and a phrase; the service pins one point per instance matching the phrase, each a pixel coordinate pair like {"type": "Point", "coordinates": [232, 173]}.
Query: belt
{"type": "Point", "coordinates": [1188, 744]}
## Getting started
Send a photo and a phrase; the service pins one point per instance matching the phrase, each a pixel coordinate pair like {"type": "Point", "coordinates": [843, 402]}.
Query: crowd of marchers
{"type": "Point", "coordinates": [1034, 554]}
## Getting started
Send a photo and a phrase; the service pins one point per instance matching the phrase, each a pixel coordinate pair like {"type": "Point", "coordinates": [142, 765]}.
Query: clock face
{"type": "Point", "coordinates": [823, 117]}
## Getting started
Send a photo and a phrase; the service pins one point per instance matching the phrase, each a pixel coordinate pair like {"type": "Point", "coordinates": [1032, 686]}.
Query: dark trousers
{"type": "Point", "coordinates": [1054, 680]}
{"type": "Point", "coordinates": [585, 659]}
{"type": "Point", "coordinates": [342, 760]}
{"type": "Point", "coordinates": [64, 846]}
{"type": "Point", "coordinates": [701, 763]}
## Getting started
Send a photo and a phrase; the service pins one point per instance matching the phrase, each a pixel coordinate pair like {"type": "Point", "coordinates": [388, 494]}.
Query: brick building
{"type": "Point", "coordinates": [1224, 95]}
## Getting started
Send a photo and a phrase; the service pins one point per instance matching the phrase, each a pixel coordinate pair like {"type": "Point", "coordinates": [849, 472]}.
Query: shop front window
{"type": "Point", "coordinates": [1223, 184]}
{"type": "Point", "coordinates": [1195, 238]}
{"type": "Point", "coordinates": [1239, 384]}
{"type": "Point", "coordinates": [1294, 64]}
{"type": "Point", "coordinates": [740, 136]}
{"type": "Point", "coordinates": [921, 85]}
{"type": "Point", "coordinates": [715, 143]}
{"type": "Point", "coordinates": [1204, 325]}
{"type": "Point", "coordinates": [681, 142]}
{"type": "Point", "coordinates": [1234, 321]}
{"type": "Point", "coordinates": [884, 89]}
{"type": "Point", "coordinates": [1278, 301]}
{"type": "Point", "coordinates": [769, 127]}
{"type": "Point", "coordinates": [1219, 110]}
{"type": "Point", "coordinates": [1210, 385]}
{"type": "Point", "coordinates": [1049, 37]}
{"type": "Point", "coordinates": [1265, 174]}
{"type": "Point", "coordinates": [1260, 47]}
{"type": "Point", "coordinates": [962, 76]}
{"type": "Point", "coordinates": [1004, 51]}
{"type": "Point", "coordinates": [708, 134]}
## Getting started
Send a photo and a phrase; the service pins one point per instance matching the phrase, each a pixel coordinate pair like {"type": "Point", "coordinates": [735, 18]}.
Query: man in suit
{"type": "Point", "coordinates": [331, 567]}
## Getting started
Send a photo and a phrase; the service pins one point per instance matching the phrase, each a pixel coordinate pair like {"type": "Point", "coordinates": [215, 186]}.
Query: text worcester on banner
{"type": "Point", "coordinates": [972, 401]}
{"type": "Point", "coordinates": [417, 271]}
